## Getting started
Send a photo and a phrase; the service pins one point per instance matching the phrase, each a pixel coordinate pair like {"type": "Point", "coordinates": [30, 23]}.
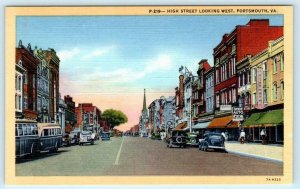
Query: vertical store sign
{"type": "Point", "coordinates": [259, 88]}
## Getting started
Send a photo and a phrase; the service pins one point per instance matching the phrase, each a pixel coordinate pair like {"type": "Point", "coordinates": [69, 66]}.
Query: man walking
{"type": "Point", "coordinates": [242, 136]}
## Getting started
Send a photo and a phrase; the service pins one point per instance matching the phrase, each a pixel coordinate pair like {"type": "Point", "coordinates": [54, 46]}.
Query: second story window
{"type": "Point", "coordinates": [254, 75]}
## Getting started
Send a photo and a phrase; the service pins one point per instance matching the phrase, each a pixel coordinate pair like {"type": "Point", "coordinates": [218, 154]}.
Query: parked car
{"type": "Point", "coordinates": [75, 136]}
{"type": "Point", "coordinates": [86, 137]}
{"type": "Point", "coordinates": [176, 139]}
{"type": "Point", "coordinates": [50, 136]}
{"type": "Point", "coordinates": [192, 139]}
{"type": "Point", "coordinates": [213, 141]}
{"type": "Point", "coordinates": [66, 140]}
{"type": "Point", "coordinates": [155, 136]}
{"type": "Point", "coordinates": [105, 136]}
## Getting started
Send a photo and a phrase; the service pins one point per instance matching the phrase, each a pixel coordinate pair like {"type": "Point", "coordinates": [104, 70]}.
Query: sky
{"type": "Point", "coordinates": [109, 60]}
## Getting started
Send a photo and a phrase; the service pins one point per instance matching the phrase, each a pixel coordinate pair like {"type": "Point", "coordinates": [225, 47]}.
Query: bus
{"type": "Point", "coordinates": [27, 138]}
{"type": "Point", "coordinates": [50, 136]}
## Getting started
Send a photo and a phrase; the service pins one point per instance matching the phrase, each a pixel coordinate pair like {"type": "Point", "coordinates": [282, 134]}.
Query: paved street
{"type": "Point", "coordinates": [141, 156]}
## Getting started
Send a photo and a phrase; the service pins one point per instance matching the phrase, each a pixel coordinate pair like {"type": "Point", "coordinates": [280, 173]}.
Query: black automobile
{"type": "Point", "coordinates": [177, 139]}
{"type": "Point", "coordinates": [213, 141]}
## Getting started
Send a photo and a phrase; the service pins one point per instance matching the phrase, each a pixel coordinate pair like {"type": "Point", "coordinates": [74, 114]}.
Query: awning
{"type": "Point", "coordinates": [180, 126]}
{"type": "Point", "coordinates": [202, 125]}
{"type": "Point", "coordinates": [222, 122]}
{"type": "Point", "coordinates": [270, 118]}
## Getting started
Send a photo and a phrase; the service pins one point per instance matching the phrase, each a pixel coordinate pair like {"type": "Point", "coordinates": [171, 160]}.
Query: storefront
{"type": "Point", "coordinates": [226, 125]}
{"type": "Point", "coordinates": [200, 128]}
{"type": "Point", "coordinates": [270, 121]}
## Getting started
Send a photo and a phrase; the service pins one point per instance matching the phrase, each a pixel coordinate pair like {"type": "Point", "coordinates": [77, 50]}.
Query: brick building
{"type": "Point", "coordinates": [244, 40]}
{"type": "Point", "coordinates": [70, 115]}
{"type": "Point", "coordinates": [26, 94]}
{"type": "Point", "coordinates": [88, 117]}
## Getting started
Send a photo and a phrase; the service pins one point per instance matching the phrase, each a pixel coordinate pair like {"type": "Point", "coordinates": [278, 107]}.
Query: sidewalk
{"type": "Point", "coordinates": [271, 152]}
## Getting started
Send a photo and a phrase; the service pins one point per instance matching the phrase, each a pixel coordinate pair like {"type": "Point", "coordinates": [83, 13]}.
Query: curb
{"type": "Point", "coordinates": [255, 156]}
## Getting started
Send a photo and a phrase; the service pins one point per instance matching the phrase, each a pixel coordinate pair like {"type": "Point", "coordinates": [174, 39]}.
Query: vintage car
{"type": "Point", "coordinates": [74, 136]}
{"type": "Point", "coordinates": [86, 137]}
{"type": "Point", "coordinates": [192, 139]}
{"type": "Point", "coordinates": [155, 136]}
{"type": "Point", "coordinates": [213, 141]}
{"type": "Point", "coordinates": [50, 136]}
{"type": "Point", "coordinates": [66, 140]}
{"type": "Point", "coordinates": [177, 138]}
{"type": "Point", "coordinates": [105, 136]}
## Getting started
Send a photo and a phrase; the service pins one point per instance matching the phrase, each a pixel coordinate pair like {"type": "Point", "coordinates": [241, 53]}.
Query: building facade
{"type": "Point", "coordinates": [25, 58]}
{"type": "Point", "coordinates": [43, 72]}
{"type": "Point", "coordinates": [62, 115]}
{"type": "Point", "coordinates": [53, 62]}
{"type": "Point", "coordinates": [19, 82]}
{"type": "Point", "coordinates": [168, 117]}
{"type": "Point", "coordinates": [88, 116]}
{"type": "Point", "coordinates": [209, 90]}
{"type": "Point", "coordinates": [244, 40]}
{"type": "Point", "coordinates": [71, 117]}
{"type": "Point", "coordinates": [267, 92]}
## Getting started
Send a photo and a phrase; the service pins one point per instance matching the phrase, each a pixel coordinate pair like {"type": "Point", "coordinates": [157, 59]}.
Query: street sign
{"type": "Point", "coordinates": [225, 108]}
{"type": "Point", "coordinates": [238, 114]}
{"type": "Point", "coordinates": [237, 118]}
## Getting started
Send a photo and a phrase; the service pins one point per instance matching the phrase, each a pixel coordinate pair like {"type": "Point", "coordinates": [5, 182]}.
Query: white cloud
{"type": "Point", "coordinates": [123, 75]}
{"type": "Point", "coordinates": [99, 52]}
{"type": "Point", "coordinates": [68, 54]}
{"type": "Point", "coordinates": [163, 62]}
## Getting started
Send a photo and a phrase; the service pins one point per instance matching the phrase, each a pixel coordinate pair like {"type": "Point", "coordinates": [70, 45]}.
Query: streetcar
{"type": "Point", "coordinates": [50, 136]}
{"type": "Point", "coordinates": [26, 137]}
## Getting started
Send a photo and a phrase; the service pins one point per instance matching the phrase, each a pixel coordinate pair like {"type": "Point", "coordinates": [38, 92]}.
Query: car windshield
{"type": "Point", "coordinates": [215, 136]}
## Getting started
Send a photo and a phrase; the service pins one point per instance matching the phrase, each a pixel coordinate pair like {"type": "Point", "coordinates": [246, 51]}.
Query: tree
{"type": "Point", "coordinates": [114, 117]}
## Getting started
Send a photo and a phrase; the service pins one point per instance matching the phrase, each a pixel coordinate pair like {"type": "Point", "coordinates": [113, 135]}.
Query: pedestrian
{"type": "Point", "coordinates": [242, 136]}
{"type": "Point", "coordinates": [224, 136]}
{"type": "Point", "coordinates": [263, 136]}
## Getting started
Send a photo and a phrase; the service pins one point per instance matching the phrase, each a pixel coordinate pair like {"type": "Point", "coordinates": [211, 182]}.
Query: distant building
{"type": "Point", "coordinates": [168, 107]}
{"type": "Point", "coordinates": [143, 123]}
{"type": "Point", "coordinates": [88, 117]}
{"type": "Point", "coordinates": [71, 117]}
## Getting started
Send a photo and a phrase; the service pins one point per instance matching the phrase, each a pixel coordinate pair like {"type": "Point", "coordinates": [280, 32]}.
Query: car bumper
{"type": "Point", "coordinates": [217, 147]}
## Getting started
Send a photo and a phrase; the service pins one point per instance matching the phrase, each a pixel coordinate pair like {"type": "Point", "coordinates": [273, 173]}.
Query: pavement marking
{"type": "Point", "coordinates": [119, 153]}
